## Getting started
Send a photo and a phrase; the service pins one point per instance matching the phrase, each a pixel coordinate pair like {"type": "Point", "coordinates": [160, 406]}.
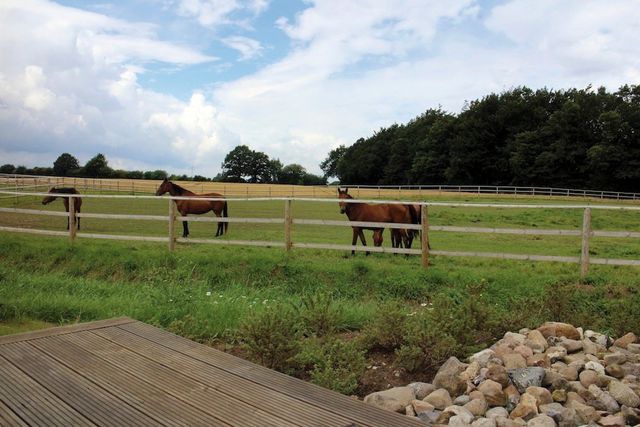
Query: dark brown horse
{"type": "Point", "coordinates": [198, 207]}
{"type": "Point", "coordinates": [372, 213]}
{"type": "Point", "coordinates": [77, 201]}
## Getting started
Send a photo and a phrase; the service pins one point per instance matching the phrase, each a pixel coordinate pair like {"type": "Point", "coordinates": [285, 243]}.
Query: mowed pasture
{"type": "Point", "coordinates": [489, 217]}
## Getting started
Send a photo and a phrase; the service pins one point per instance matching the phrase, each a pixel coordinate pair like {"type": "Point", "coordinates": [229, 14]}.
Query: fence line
{"type": "Point", "coordinates": [584, 260]}
{"type": "Point", "coordinates": [135, 186]}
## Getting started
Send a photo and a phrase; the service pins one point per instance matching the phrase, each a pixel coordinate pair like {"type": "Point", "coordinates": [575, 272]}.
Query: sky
{"type": "Point", "coordinates": [177, 84]}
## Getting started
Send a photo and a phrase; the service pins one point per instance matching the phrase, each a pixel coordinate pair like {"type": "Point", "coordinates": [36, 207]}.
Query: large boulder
{"type": "Point", "coordinates": [449, 377]}
{"type": "Point", "coordinates": [395, 399]}
{"type": "Point", "coordinates": [558, 329]}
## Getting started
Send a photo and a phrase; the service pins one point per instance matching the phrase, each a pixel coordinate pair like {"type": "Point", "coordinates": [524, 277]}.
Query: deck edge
{"type": "Point", "coordinates": [66, 329]}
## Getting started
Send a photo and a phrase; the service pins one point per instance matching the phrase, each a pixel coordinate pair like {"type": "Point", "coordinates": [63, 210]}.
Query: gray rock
{"type": "Point", "coordinates": [463, 413]}
{"type": "Point", "coordinates": [395, 399]}
{"type": "Point", "coordinates": [458, 421]}
{"type": "Point", "coordinates": [604, 399]}
{"type": "Point", "coordinates": [430, 417]}
{"type": "Point", "coordinates": [615, 358]}
{"type": "Point", "coordinates": [449, 378]}
{"type": "Point", "coordinates": [595, 366]}
{"type": "Point", "coordinates": [496, 412]}
{"type": "Point", "coordinates": [420, 406]}
{"type": "Point", "coordinates": [553, 410]}
{"type": "Point", "coordinates": [572, 346]}
{"type": "Point", "coordinates": [484, 422]}
{"type": "Point", "coordinates": [461, 400]}
{"type": "Point", "coordinates": [624, 394]}
{"type": "Point", "coordinates": [422, 390]}
{"type": "Point", "coordinates": [597, 338]}
{"type": "Point", "coordinates": [526, 377]}
{"type": "Point", "coordinates": [541, 421]}
{"type": "Point", "coordinates": [440, 399]}
{"type": "Point", "coordinates": [584, 414]}
{"type": "Point", "coordinates": [482, 357]}
{"type": "Point", "coordinates": [634, 348]}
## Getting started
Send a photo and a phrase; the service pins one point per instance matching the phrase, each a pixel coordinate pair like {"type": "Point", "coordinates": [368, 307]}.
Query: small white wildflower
{"type": "Point", "coordinates": [424, 304]}
{"type": "Point", "coordinates": [208, 293]}
{"type": "Point", "coordinates": [265, 301]}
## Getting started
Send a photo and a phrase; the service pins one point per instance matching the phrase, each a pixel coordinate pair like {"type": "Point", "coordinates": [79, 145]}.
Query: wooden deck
{"type": "Point", "coordinates": [122, 372]}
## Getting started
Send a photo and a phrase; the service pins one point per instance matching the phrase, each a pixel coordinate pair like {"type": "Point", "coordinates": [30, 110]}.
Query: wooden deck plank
{"type": "Point", "coordinates": [208, 397]}
{"type": "Point", "coordinates": [238, 388]}
{"type": "Point", "coordinates": [67, 329]}
{"type": "Point", "coordinates": [26, 398]}
{"type": "Point", "coordinates": [276, 381]}
{"type": "Point", "coordinates": [80, 394]}
{"type": "Point", "coordinates": [9, 418]}
{"type": "Point", "coordinates": [156, 403]}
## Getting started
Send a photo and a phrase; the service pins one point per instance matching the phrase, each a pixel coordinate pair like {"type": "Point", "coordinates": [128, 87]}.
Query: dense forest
{"type": "Point", "coordinates": [580, 138]}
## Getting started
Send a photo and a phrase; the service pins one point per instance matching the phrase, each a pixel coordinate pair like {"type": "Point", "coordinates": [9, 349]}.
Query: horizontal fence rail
{"type": "Point", "coordinates": [288, 221]}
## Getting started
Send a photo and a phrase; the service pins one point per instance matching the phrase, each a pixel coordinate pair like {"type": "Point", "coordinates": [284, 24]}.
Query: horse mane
{"type": "Point", "coordinates": [180, 190]}
{"type": "Point", "coordinates": [64, 190]}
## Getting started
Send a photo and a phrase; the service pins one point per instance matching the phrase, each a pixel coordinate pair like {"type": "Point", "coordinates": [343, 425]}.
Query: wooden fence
{"type": "Point", "coordinates": [288, 220]}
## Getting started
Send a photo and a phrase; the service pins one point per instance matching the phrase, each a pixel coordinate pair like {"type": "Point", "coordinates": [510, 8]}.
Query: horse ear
{"type": "Point", "coordinates": [346, 190]}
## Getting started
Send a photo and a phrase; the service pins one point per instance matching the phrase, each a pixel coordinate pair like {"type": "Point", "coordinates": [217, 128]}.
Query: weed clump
{"type": "Point", "coordinates": [272, 336]}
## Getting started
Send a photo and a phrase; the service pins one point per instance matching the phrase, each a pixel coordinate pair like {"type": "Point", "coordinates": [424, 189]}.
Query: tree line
{"type": "Point", "coordinates": [580, 138]}
{"type": "Point", "coordinates": [240, 165]}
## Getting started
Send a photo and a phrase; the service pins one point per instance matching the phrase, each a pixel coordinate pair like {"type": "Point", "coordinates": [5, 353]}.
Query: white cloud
{"type": "Point", "coordinates": [70, 84]}
{"type": "Point", "coordinates": [214, 13]}
{"type": "Point", "coordinates": [248, 48]}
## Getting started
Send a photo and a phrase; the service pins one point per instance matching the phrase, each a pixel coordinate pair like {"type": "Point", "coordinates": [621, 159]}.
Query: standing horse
{"type": "Point", "coordinates": [372, 213]}
{"type": "Point", "coordinates": [77, 201]}
{"type": "Point", "coordinates": [197, 207]}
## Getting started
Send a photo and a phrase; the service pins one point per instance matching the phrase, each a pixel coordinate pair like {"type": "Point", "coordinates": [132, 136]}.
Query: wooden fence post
{"type": "Point", "coordinates": [424, 235]}
{"type": "Point", "coordinates": [172, 225]}
{"type": "Point", "coordinates": [72, 219]}
{"type": "Point", "coordinates": [586, 234]}
{"type": "Point", "coordinates": [288, 220]}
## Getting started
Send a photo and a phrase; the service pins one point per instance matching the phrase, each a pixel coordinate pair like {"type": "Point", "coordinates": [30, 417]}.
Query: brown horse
{"type": "Point", "coordinates": [197, 207]}
{"type": "Point", "coordinates": [401, 236]}
{"type": "Point", "coordinates": [372, 213]}
{"type": "Point", "coordinates": [77, 201]}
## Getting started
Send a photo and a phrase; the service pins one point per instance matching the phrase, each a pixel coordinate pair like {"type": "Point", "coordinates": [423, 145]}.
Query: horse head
{"type": "Point", "coordinates": [343, 194]}
{"type": "Point", "coordinates": [165, 187]}
{"type": "Point", "coordinates": [49, 199]}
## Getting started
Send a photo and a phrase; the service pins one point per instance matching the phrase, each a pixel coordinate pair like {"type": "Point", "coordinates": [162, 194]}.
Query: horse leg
{"type": "Point", "coordinates": [362, 239]}
{"type": "Point", "coordinates": [220, 230]}
{"type": "Point", "coordinates": [185, 229]}
{"type": "Point", "coordinates": [354, 241]}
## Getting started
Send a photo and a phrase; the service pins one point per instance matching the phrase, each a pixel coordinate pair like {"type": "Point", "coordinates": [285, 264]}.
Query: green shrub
{"type": "Point", "coordinates": [386, 330]}
{"type": "Point", "coordinates": [319, 315]}
{"type": "Point", "coordinates": [333, 363]}
{"type": "Point", "coordinates": [427, 344]}
{"type": "Point", "coordinates": [271, 337]}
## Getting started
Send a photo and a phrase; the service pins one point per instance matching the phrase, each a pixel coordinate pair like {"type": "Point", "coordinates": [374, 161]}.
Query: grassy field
{"type": "Point", "coordinates": [208, 292]}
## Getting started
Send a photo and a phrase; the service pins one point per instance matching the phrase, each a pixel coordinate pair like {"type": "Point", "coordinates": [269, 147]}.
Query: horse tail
{"type": "Point", "coordinates": [225, 214]}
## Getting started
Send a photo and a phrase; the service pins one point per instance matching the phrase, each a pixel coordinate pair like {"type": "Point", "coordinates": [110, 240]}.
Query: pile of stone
{"type": "Point", "coordinates": [554, 375]}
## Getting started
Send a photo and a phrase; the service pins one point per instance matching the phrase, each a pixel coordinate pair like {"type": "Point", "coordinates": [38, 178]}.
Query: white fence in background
{"type": "Point", "coordinates": [288, 220]}
{"type": "Point", "coordinates": [140, 186]}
